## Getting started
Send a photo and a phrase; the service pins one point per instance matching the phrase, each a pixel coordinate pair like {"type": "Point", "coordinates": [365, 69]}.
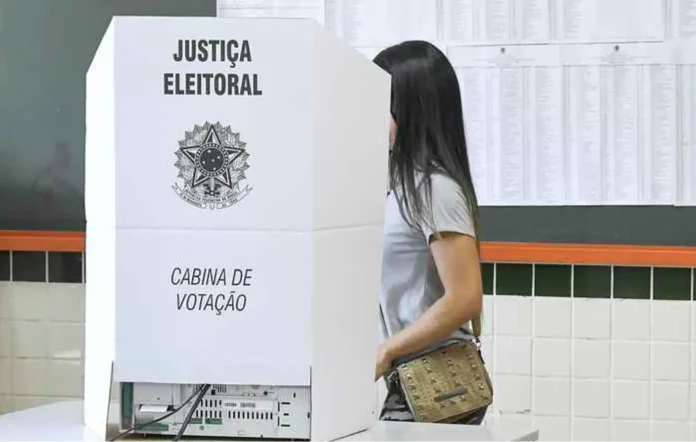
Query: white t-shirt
{"type": "Point", "coordinates": [410, 280]}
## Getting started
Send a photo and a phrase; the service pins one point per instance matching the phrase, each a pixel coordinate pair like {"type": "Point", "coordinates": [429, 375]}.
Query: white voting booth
{"type": "Point", "coordinates": [235, 176]}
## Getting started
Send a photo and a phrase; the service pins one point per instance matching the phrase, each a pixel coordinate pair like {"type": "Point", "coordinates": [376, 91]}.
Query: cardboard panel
{"type": "Point", "coordinates": [213, 306]}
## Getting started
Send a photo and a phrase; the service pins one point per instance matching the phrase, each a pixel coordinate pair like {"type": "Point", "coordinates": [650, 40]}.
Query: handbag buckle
{"type": "Point", "coordinates": [477, 341]}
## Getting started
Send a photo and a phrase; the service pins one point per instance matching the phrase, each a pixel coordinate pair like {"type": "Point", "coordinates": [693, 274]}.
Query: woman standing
{"type": "Point", "coordinates": [431, 277]}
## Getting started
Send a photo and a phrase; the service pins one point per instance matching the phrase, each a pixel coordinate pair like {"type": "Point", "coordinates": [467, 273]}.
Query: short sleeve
{"type": "Point", "coordinates": [449, 209]}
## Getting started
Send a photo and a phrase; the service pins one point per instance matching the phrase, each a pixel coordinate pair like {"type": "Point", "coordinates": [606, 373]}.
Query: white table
{"type": "Point", "coordinates": [62, 421]}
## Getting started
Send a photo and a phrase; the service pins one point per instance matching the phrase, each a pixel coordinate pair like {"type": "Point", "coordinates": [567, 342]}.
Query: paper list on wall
{"type": "Point", "coordinates": [681, 22]}
{"type": "Point", "coordinates": [688, 145]}
{"type": "Point", "coordinates": [497, 20]}
{"type": "Point", "coordinates": [491, 21]}
{"type": "Point", "coordinates": [581, 124]}
{"type": "Point", "coordinates": [660, 133]}
{"type": "Point", "coordinates": [516, 158]}
{"type": "Point", "coordinates": [637, 136]}
{"type": "Point", "coordinates": [533, 20]}
{"type": "Point", "coordinates": [548, 163]}
{"type": "Point", "coordinates": [370, 23]}
{"type": "Point", "coordinates": [313, 9]}
{"type": "Point", "coordinates": [609, 20]}
{"type": "Point", "coordinates": [686, 75]}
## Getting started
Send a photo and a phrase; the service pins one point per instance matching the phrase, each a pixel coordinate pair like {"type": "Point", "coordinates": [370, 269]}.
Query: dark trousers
{"type": "Point", "coordinates": [396, 408]}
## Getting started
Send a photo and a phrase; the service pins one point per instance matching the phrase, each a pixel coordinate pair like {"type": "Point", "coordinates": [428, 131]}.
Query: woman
{"type": "Point", "coordinates": [431, 277]}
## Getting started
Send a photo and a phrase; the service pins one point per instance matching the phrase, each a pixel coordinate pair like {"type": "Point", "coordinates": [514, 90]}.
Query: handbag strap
{"type": "Point", "coordinates": [476, 326]}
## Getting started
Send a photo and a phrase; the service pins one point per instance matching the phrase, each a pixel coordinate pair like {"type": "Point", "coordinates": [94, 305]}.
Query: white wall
{"type": "Point", "coordinates": [41, 343]}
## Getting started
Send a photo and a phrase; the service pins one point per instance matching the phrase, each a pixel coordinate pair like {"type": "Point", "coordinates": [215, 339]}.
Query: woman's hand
{"type": "Point", "coordinates": [384, 361]}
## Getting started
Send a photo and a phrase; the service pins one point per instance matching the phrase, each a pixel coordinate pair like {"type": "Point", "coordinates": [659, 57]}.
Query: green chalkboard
{"type": "Point", "coordinates": [639, 225]}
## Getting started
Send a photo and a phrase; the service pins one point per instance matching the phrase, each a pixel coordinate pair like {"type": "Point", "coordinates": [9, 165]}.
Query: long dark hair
{"type": "Point", "coordinates": [426, 105]}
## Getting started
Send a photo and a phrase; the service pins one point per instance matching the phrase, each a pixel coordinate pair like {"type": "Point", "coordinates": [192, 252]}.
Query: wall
{"type": "Point", "coordinates": [593, 353]}
{"type": "Point", "coordinates": [590, 352]}
{"type": "Point", "coordinates": [41, 328]}
{"type": "Point", "coordinates": [46, 47]}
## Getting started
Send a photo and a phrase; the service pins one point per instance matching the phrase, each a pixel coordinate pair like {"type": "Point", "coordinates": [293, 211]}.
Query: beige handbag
{"type": "Point", "coordinates": [448, 384]}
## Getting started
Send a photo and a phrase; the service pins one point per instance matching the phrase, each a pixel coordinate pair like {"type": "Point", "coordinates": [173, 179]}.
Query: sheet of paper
{"type": "Point", "coordinates": [686, 77]}
{"type": "Point", "coordinates": [313, 13]}
{"type": "Point", "coordinates": [269, 3]}
{"type": "Point", "coordinates": [622, 120]}
{"type": "Point", "coordinates": [548, 164]}
{"type": "Point", "coordinates": [688, 147]}
{"type": "Point", "coordinates": [682, 19]}
{"type": "Point", "coordinates": [659, 126]}
{"type": "Point", "coordinates": [461, 20]}
{"type": "Point", "coordinates": [533, 21]}
{"type": "Point", "coordinates": [513, 114]}
{"type": "Point", "coordinates": [586, 143]}
{"type": "Point", "coordinates": [473, 83]}
{"type": "Point", "coordinates": [496, 21]}
{"type": "Point", "coordinates": [383, 22]}
{"type": "Point", "coordinates": [608, 20]}
{"type": "Point", "coordinates": [272, 8]}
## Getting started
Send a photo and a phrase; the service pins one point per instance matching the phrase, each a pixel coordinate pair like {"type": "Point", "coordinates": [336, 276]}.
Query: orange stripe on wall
{"type": "Point", "coordinates": [37, 241]}
{"type": "Point", "coordinates": [598, 254]}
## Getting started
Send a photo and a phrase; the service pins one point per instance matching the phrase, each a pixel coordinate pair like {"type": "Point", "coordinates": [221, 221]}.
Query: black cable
{"type": "Point", "coordinates": [191, 411]}
{"type": "Point", "coordinates": [159, 419]}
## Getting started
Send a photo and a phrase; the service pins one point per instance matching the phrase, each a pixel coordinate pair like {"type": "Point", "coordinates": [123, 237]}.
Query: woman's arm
{"type": "Point", "coordinates": [457, 261]}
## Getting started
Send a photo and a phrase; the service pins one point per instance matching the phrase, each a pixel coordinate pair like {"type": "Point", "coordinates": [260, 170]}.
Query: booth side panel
{"type": "Point", "coordinates": [346, 267]}
{"type": "Point", "coordinates": [100, 245]}
{"type": "Point", "coordinates": [351, 97]}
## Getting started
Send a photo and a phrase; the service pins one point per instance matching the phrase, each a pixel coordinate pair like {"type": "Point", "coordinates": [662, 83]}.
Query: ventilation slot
{"type": "Point", "coordinates": [220, 388]}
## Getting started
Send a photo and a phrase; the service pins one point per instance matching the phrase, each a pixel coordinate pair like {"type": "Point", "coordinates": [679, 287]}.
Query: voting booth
{"type": "Point", "coordinates": [235, 182]}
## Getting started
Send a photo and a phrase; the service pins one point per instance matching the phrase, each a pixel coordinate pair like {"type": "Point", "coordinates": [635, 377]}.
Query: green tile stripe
{"type": "Point", "coordinates": [514, 279]}
{"type": "Point", "coordinates": [552, 280]}
{"type": "Point", "coordinates": [632, 282]}
{"type": "Point", "coordinates": [672, 284]}
{"type": "Point", "coordinates": [589, 281]}
{"type": "Point", "coordinates": [488, 276]}
{"type": "Point", "coordinates": [592, 281]}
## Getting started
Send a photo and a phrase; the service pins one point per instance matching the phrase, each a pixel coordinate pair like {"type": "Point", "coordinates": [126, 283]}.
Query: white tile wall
{"type": "Point", "coordinates": [554, 428]}
{"type": "Point", "coordinates": [592, 318]}
{"type": "Point", "coordinates": [513, 394]}
{"type": "Point", "coordinates": [631, 400]}
{"type": "Point", "coordinates": [670, 401]}
{"type": "Point", "coordinates": [552, 317]}
{"type": "Point", "coordinates": [41, 343]}
{"type": "Point", "coordinates": [552, 357]}
{"type": "Point", "coordinates": [590, 429]}
{"type": "Point", "coordinates": [671, 362]}
{"type": "Point", "coordinates": [514, 316]}
{"type": "Point", "coordinates": [631, 360]}
{"type": "Point", "coordinates": [630, 320]}
{"type": "Point", "coordinates": [513, 355]}
{"type": "Point", "coordinates": [551, 397]}
{"type": "Point", "coordinates": [591, 398]}
{"type": "Point", "coordinates": [671, 321]}
{"type": "Point", "coordinates": [601, 369]}
{"type": "Point", "coordinates": [669, 431]}
{"type": "Point", "coordinates": [591, 358]}
{"type": "Point", "coordinates": [629, 430]}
